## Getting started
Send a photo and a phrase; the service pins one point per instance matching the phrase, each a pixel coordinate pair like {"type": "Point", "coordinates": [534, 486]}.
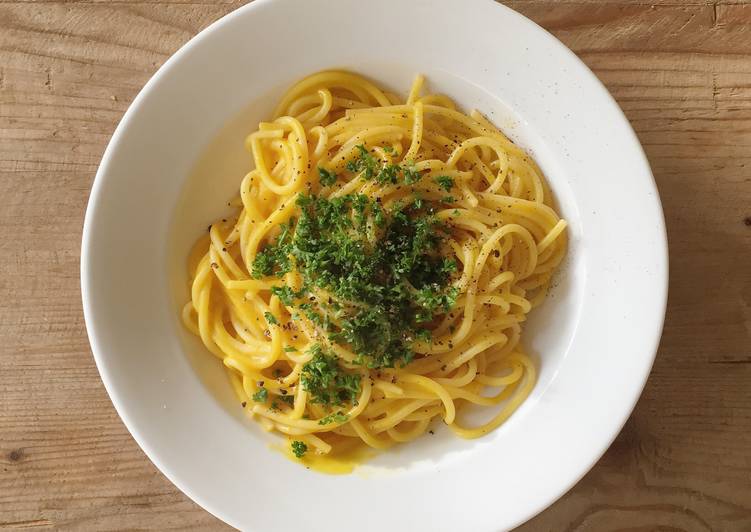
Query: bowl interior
{"type": "Point", "coordinates": [215, 179]}
{"type": "Point", "coordinates": [177, 158]}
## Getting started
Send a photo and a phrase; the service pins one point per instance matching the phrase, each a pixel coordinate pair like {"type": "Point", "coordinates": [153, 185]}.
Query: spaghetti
{"type": "Point", "coordinates": [376, 276]}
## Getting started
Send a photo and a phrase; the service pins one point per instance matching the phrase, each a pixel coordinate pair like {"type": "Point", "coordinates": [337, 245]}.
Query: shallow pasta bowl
{"type": "Point", "coordinates": [178, 156]}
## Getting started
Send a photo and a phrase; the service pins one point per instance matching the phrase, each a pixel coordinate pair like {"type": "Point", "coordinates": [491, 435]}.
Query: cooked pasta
{"type": "Point", "coordinates": [379, 267]}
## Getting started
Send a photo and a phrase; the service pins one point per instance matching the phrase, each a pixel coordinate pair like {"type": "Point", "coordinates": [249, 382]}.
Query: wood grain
{"type": "Point", "coordinates": [680, 70]}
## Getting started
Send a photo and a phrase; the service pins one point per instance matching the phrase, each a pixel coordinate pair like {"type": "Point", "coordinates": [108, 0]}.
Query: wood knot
{"type": "Point", "coordinates": [15, 455]}
{"type": "Point", "coordinates": [747, 221]}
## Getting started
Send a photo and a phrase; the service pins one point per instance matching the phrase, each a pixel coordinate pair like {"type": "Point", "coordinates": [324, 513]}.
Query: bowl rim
{"type": "Point", "coordinates": [98, 349]}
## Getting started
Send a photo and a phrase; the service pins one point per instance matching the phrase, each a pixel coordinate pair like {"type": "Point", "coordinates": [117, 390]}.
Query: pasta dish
{"type": "Point", "coordinates": [375, 276]}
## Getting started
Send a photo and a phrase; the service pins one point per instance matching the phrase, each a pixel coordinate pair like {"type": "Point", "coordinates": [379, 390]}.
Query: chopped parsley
{"type": "Point", "coordinates": [333, 253]}
{"type": "Point", "coordinates": [285, 294]}
{"type": "Point", "coordinates": [326, 178]}
{"type": "Point", "coordinates": [299, 448]}
{"type": "Point", "coordinates": [411, 175]}
{"type": "Point", "coordinates": [424, 335]}
{"type": "Point", "coordinates": [381, 269]}
{"type": "Point", "coordinates": [432, 300]}
{"type": "Point", "coordinates": [336, 417]}
{"type": "Point", "coordinates": [367, 165]}
{"type": "Point", "coordinates": [274, 259]}
{"type": "Point", "coordinates": [389, 174]}
{"type": "Point", "coordinates": [261, 395]}
{"type": "Point", "coordinates": [288, 400]}
{"type": "Point", "coordinates": [364, 162]}
{"type": "Point", "coordinates": [445, 182]}
{"type": "Point", "coordinates": [289, 349]}
{"type": "Point", "coordinates": [326, 381]}
{"type": "Point", "coordinates": [270, 318]}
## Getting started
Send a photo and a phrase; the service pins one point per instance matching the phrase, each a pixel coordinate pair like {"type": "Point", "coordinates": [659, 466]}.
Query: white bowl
{"type": "Point", "coordinates": [178, 156]}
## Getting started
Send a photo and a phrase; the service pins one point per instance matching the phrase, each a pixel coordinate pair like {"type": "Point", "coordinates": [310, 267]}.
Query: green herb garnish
{"type": "Point", "coordinates": [285, 294]}
{"type": "Point", "coordinates": [326, 381]}
{"type": "Point", "coordinates": [287, 399]}
{"type": "Point", "coordinates": [424, 335]}
{"type": "Point", "coordinates": [261, 395]}
{"type": "Point", "coordinates": [274, 259]}
{"type": "Point", "coordinates": [336, 417]}
{"type": "Point", "coordinates": [367, 165]}
{"type": "Point", "coordinates": [364, 162]}
{"type": "Point", "coordinates": [326, 178]}
{"type": "Point", "coordinates": [411, 175]}
{"type": "Point", "coordinates": [389, 174]}
{"type": "Point", "coordinates": [299, 448]}
{"type": "Point", "coordinates": [381, 269]}
{"type": "Point", "coordinates": [270, 318]}
{"type": "Point", "coordinates": [445, 182]}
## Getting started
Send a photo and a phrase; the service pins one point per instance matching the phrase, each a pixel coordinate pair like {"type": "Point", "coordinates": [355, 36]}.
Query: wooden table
{"type": "Point", "coordinates": [681, 70]}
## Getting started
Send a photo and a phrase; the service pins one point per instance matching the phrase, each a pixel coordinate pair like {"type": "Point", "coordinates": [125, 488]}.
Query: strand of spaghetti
{"type": "Point", "coordinates": [414, 91]}
{"type": "Point", "coordinates": [396, 415]}
{"type": "Point", "coordinates": [414, 147]}
{"type": "Point", "coordinates": [419, 428]}
{"type": "Point", "coordinates": [330, 78]}
{"type": "Point", "coordinates": [367, 437]}
{"type": "Point", "coordinates": [437, 389]}
{"type": "Point", "coordinates": [516, 394]}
